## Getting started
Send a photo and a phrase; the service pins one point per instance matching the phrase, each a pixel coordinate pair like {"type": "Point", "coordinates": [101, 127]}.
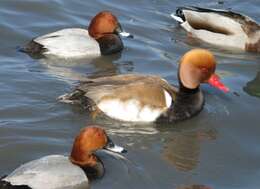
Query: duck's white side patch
{"type": "Point", "coordinates": [235, 40]}
{"type": "Point", "coordinates": [69, 43]}
{"type": "Point", "coordinates": [52, 172]}
{"type": "Point", "coordinates": [214, 20]}
{"type": "Point", "coordinates": [129, 110]}
{"type": "Point", "coordinates": [168, 99]}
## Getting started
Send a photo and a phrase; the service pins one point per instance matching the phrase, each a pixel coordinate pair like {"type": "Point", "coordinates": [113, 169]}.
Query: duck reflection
{"type": "Point", "coordinates": [183, 149]}
{"type": "Point", "coordinates": [253, 87]}
{"type": "Point", "coordinates": [194, 186]}
{"type": "Point", "coordinates": [77, 69]}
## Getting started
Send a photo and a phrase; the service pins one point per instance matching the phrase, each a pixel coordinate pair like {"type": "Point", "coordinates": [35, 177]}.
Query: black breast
{"type": "Point", "coordinates": [188, 103]}
{"type": "Point", "coordinates": [110, 44]}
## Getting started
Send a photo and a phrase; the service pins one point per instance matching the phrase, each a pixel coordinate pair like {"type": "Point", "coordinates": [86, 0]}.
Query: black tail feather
{"type": "Point", "coordinates": [7, 185]}
{"type": "Point", "coordinates": [78, 97]}
{"type": "Point", "coordinates": [180, 14]}
{"type": "Point", "coordinates": [33, 48]}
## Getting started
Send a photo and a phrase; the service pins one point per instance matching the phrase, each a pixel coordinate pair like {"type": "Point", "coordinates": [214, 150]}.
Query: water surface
{"type": "Point", "coordinates": [219, 148]}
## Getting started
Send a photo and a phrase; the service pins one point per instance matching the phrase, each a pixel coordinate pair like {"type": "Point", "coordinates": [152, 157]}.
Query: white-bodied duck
{"type": "Point", "coordinates": [101, 38]}
{"type": "Point", "coordinates": [62, 172]}
{"type": "Point", "coordinates": [147, 98]}
{"type": "Point", "coordinates": [222, 28]}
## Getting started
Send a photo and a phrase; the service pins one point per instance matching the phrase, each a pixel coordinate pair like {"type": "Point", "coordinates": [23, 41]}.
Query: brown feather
{"type": "Point", "coordinates": [131, 86]}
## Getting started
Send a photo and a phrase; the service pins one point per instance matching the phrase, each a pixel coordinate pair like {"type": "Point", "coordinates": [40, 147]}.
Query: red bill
{"type": "Point", "coordinates": [214, 81]}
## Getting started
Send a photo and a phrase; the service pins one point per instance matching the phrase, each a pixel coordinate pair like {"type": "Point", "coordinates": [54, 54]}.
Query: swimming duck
{"type": "Point", "coordinates": [58, 171]}
{"type": "Point", "coordinates": [226, 29]}
{"type": "Point", "coordinates": [146, 98]}
{"type": "Point", "coordinates": [101, 38]}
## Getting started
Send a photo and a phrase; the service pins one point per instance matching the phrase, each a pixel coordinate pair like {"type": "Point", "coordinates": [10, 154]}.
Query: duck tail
{"type": "Point", "coordinates": [178, 15]}
{"type": "Point", "coordinates": [77, 97]}
{"type": "Point", "coordinates": [72, 98]}
{"type": "Point", "coordinates": [33, 48]}
{"type": "Point", "coordinates": [7, 185]}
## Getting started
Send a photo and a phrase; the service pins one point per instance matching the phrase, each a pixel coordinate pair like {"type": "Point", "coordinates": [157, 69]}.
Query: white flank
{"type": "Point", "coordinates": [129, 110]}
{"type": "Point", "coordinates": [236, 40]}
{"type": "Point", "coordinates": [69, 43]}
{"type": "Point", "coordinates": [52, 172]}
{"type": "Point", "coordinates": [215, 20]}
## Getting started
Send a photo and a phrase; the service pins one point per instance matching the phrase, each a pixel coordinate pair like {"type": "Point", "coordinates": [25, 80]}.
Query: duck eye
{"type": "Point", "coordinates": [204, 70]}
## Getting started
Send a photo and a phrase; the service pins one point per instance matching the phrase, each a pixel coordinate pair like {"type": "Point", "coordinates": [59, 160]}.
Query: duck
{"type": "Point", "coordinates": [222, 28]}
{"type": "Point", "coordinates": [59, 171]}
{"type": "Point", "coordinates": [101, 38]}
{"type": "Point", "coordinates": [149, 98]}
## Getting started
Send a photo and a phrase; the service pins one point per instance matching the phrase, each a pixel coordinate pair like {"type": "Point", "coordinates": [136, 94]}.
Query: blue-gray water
{"type": "Point", "coordinates": [219, 148]}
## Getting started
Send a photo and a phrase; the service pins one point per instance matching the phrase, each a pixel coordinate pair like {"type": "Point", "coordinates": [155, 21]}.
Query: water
{"type": "Point", "coordinates": [217, 149]}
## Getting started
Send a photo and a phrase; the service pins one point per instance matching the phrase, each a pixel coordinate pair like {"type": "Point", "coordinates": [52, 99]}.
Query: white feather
{"type": "Point", "coordinates": [168, 99]}
{"type": "Point", "coordinates": [52, 172]}
{"type": "Point", "coordinates": [69, 43]}
{"type": "Point", "coordinates": [236, 40]}
{"type": "Point", "coordinates": [131, 110]}
{"type": "Point", "coordinates": [177, 18]}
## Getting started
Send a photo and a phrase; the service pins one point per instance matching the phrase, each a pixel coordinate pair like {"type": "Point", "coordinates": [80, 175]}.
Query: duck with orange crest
{"type": "Point", "coordinates": [147, 98]}
{"type": "Point", "coordinates": [101, 38]}
{"type": "Point", "coordinates": [60, 172]}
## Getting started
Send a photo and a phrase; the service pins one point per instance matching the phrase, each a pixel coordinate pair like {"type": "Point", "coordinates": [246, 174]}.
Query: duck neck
{"type": "Point", "coordinates": [110, 44]}
{"type": "Point", "coordinates": [90, 163]}
{"type": "Point", "coordinates": [187, 104]}
{"type": "Point", "coordinates": [187, 91]}
{"type": "Point", "coordinates": [95, 172]}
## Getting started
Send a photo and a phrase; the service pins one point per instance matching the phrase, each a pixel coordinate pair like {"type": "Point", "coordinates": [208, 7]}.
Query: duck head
{"type": "Point", "coordinates": [105, 23]}
{"type": "Point", "coordinates": [198, 66]}
{"type": "Point", "coordinates": [89, 140]}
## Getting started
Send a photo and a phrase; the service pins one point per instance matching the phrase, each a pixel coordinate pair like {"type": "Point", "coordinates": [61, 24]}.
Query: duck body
{"type": "Point", "coordinates": [52, 172]}
{"type": "Point", "coordinates": [61, 172]}
{"type": "Point", "coordinates": [133, 98]}
{"type": "Point", "coordinates": [67, 43]}
{"type": "Point", "coordinates": [147, 98]}
{"type": "Point", "coordinates": [225, 29]}
{"type": "Point", "coordinates": [101, 38]}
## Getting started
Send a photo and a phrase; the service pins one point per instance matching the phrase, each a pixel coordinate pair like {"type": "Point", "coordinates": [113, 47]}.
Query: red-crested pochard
{"type": "Point", "coordinates": [147, 98]}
